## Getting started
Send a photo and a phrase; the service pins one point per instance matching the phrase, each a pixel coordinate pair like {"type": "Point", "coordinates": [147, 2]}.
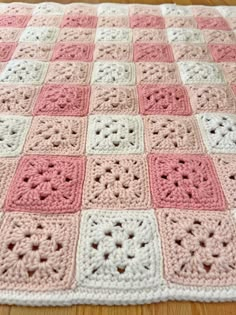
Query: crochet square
{"type": "Point", "coordinates": [149, 36]}
{"type": "Point", "coordinates": [226, 168]}
{"type": "Point", "coordinates": [24, 71]}
{"type": "Point", "coordinates": [13, 130]}
{"type": "Point", "coordinates": [223, 53]}
{"type": "Point", "coordinates": [80, 9]}
{"type": "Point", "coordinates": [113, 21]}
{"type": "Point", "coordinates": [175, 10]}
{"type": "Point", "coordinates": [153, 52]}
{"type": "Point", "coordinates": [63, 100]}
{"type": "Point", "coordinates": [185, 181]}
{"type": "Point", "coordinates": [191, 52]}
{"type": "Point", "coordinates": [232, 22]}
{"type": "Point", "coordinates": [56, 135]}
{"type": "Point", "coordinates": [70, 51]}
{"type": "Point", "coordinates": [116, 52]}
{"type": "Point", "coordinates": [142, 9]}
{"type": "Point", "coordinates": [45, 20]}
{"type": "Point", "coordinates": [7, 168]}
{"type": "Point", "coordinates": [198, 247]}
{"type": "Point", "coordinates": [6, 51]}
{"type": "Point", "coordinates": [119, 182]}
{"type": "Point", "coordinates": [19, 21]}
{"type": "Point", "coordinates": [226, 11]}
{"type": "Point", "coordinates": [117, 73]}
{"type": "Point", "coordinates": [115, 134]}
{"type": "Point", "coordinates": [17, 99]}
{"type": "Point", "coordinates": [46, 8]}
{"type": "Point", "coordinates": [168, 134]}
{"type": "Point", "coordinates": [17, 9]}
{"type": "Point", "coordinates": [64, 72]}
{"type": "Point", "coordinates": [147, 21]}
{"type": "Point", "coordinates": [216, 23]}
{"type": "Point", "coordinates": [39, 34]}
{"type": "Point", "coordinates": [113, 34]}
{"type": "Point", "coordinates": [29, 51]}
{"type": "Point", "coordinates": [163, 99]}
{"type": "Point", "coordinates": [113, 100]}
{"type": "Point", "coordinates": [157, 73]}
{"type": "Point", "coordinates": [180, 22]}
{"type": "Point", "coordinates": [9, 34]}
{"type": "Point", "coordinates": [219, 37]}
{"type": "Point", "coordinates": [200, 72]}
{"type": "Point", "coordinates": [211, 98]}
{"type": "Point", "coordinates": [109, 9]}
{"type": "Point", "coordinates": [119, 250]}
{"type": "Point", "coordinates": [37, 252]}
{"type": "Point", "coordinates": [229, 69]}
{"type": "Point", "coordinates": [79, 21]}
{"type": "Point", "coordinates": [205, 11]}
{"type": "Point", "coordinates": [82, 35]}
{"type": "Point", "coordinates": [219, 132]}
{"type": "Point", "coordinates": [185, 35]}
{"type": "Point", "coordinates": [47, 184]}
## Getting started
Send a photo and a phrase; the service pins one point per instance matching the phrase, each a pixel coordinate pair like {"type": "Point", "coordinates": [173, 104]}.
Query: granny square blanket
{"type": "Point", "coordinates": [117, 153]}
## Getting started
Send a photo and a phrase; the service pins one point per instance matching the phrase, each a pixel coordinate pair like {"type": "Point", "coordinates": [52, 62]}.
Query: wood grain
{"type": "Point", "coordinates": [167, 308]}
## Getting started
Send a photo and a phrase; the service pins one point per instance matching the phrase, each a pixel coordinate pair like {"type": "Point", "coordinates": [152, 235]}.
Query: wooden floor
{"type": "Point", "coordinates": [170, 308]}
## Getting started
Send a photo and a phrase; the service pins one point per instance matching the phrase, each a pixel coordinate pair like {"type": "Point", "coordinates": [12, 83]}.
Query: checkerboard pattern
{"type": "Point", "coordinates": [117, 153]}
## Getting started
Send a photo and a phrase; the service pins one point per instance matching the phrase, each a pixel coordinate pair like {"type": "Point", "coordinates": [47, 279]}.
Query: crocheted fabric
{"type": "Point", "coordinates": [117, 153]}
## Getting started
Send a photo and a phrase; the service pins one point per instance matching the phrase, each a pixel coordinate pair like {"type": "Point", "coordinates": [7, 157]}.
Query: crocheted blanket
{"type": "Point", "coordinates": [117, 153]}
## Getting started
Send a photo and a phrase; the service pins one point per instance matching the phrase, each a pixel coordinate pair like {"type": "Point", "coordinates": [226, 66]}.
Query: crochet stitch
{"type": "Point", "coordinates": [117, 153]}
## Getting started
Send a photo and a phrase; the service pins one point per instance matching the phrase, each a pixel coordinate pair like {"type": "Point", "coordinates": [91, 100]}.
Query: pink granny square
{"type": "Point", "coordinates": [163, 100]}
{"type": "Point", "coordinates": [63, 100]}
{"type": "Point", "coordinates": [185, 181]}
{"type": "Point", "coordinates": [47, 184]}
{"type": "Point", "coordinates": [216, 23]}
{"type": "Point", "coordinates": [180, 22]}
{"type": "Point", "coordinates": [219, 37]}
{"type": "Point", "coordinates": [226, 168]}
{"type": "Point", "coordinates": [14, 20]}
{"type": "Point", "coordinates": [41, 51]}
{"type": "Point", "coordinates": [229, 69]}
{"type": "Point", "coordinates": [144, 10]}
{"type": "Point", "coordinates": [157, 73]}
{"type": "Point", "coordinates": [45, 20]}
{"type": "Point", "coordinates": [116, 182]}
{"type": "Point", "coordinates": [116, 52]}
{"type": "Point", "coordinates": [148, 35]}
{"type": "Point", "coordinates": [6, 51]}
{"type": "Point", "coordinates": [113, 21]}
{"type": "Point", "coordinates": [211, 98]}
{"type": "Point", "coordinates": [17, 9]}
{"type": "Point", "coordinates": [232, 22]}
{"type": "Point", "coordinates": [153, 52]}
{"type": "Point", "coordinates": [10, 34]}
{"type": "Point", "coordinates": [69, 72]}
{"type": "Point", "coordinates": [70, 51]}
{"type": "Point", "coordinates": [223, 53]}
{"type": "Point", "coordinates": [149, 21]}
{"type": "Point", "coordinates": [196, 52]}
{"type": "Point", "coordinates": [79, 21]}
{"type": "Point", "coordinates": [198, 248]}
{"type": "Point", "coordinates": [38, 252]}
{"type": "Point", "coordinates": [204, 11]}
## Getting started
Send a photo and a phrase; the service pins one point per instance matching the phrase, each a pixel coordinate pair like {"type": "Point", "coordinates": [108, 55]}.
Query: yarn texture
{"type": "Point", "coordinates": [117, 153]}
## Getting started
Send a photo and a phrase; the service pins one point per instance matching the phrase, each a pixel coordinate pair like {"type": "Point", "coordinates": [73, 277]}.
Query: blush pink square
{"type": "Point", "coordinates": [86, 21]}
{"type": "Point", "coordinates": [6, 51]}
{"type": "Point", "coordinates": [185, 181]}
{"type": "Point", "coordinates": [60, 100]}
{"type": "Point", "coordinates": [153, 52]}
{"type": "Point", "coordinates": [214, 23]}
{"type": "Point", "coordinates": [19, 21]}
{"type": "Point", "coordinates": [222, 53]}
{"type": "Point", "coordinates": [47, 184]}
{"type": "Point", "coordinates": [147, 21]}
{"type": "Point", "coordinates": [163, 100]}
{"type": "Point", "coordinates": [70, 51]}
